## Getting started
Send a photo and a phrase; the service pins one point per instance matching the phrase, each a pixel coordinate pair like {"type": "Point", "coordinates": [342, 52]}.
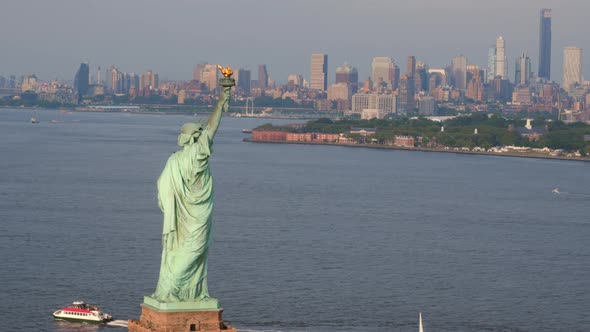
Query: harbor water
{"type": "Point", "coordinates": [305, 238]}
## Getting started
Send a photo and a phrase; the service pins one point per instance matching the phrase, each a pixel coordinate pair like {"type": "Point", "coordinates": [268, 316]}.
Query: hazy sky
{"type": "Point", "coordinates": [51, 37]}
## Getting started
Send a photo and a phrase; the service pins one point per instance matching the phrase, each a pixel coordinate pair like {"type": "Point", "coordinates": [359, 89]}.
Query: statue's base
{"type": "Point", "coordinates": [183, 316]}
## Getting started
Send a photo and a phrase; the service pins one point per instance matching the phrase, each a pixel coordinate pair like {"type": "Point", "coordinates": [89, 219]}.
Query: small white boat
{"type": "Point", "coordinates": [556, 191]}
{"type": "Point", "coordinates": [34, 120]}
{"type": "Point", "coordinates": [82, 312]}
{"type": "Point", "coordinates": [420, 327]}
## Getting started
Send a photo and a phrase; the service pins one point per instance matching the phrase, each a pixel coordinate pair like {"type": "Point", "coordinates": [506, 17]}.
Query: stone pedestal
{"type": "Point", "coordinates": [170, 319]}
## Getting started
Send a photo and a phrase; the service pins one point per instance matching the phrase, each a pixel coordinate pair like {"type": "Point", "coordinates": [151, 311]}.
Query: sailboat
{"type": "Point", "coordinates": [420, 327]}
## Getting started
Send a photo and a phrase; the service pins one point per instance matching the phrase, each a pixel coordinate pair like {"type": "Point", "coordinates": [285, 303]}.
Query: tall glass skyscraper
{"type": "Point", "coordinates": [81, 80]}
{"type": "Point", "coordinates": [545, 44]}
{"type": "Point", "coordinates": [262, 77]}
{"type": "Point", "coordinates": [491, 63]}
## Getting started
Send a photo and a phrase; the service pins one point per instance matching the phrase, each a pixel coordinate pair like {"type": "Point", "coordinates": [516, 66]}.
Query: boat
{"type": "Point", "coordinates": [247, 131]}
{"type": "Point", "coordinates": [556, 191]}
{"type": "Point", "coordinates": [34, 120]}
{"type": "Point", "coordinates": [420, 327]}
{"type": "Point", "coordinates": [82, 312]}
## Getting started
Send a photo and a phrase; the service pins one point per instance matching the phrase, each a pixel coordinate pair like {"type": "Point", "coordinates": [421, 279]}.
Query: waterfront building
{"type": "Point", "coordinates": [522, 70]}
{"type": "Point", "coordinates": [81, 80]}
{"type": "Point", "coordinates": [405, 95]}
{"type": "Point", "coordinates": [155, 82]}
{"type": "Point", "coordinates": [459, 71]}
{"type": "Point", "coordinates": [181, 97]}
{"type": "Point", "coordinates": [382, 72]}
{"type": "Point", "coordinates": [385, 103]}
{"type": "Point", "coordinates": [244, 81]}
{"type": "Point", "coordinates": [133, 82]}
{"type": "Point", "coordinates": [501, 66]}
{"type": "Point", "coordinates": [339, 91]}
{"type": "Point", "coordinates": [30, 83]}
{"type": "Point", "coordinates": [545, 44]}
{"type": "Point", "coordinates": [98, 76]}
{"type": "Point", "coordinates": [113, 79]}
{"type": "Point", "coordinates": [572, 67]}
{"type": "Point", "coordinates": [371, 113]}
{"type": "Point", "coordinates": [405, 141]}
{"type": "Point", "coordinates": [426, 105]}
{"type": "Point", "coordinates": [262, 77]}
{"type": "Point", "coordinates": [348, 75]}
{"type": "Point", "coordinates": [319, 72]}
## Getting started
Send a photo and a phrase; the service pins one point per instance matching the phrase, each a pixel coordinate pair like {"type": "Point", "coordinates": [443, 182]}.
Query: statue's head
{"type": "Point", "coordinates": [189, 133]}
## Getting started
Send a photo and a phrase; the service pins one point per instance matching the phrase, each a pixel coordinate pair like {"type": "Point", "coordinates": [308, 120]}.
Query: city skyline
{"type": "Point", "coordinates": [171, 40]}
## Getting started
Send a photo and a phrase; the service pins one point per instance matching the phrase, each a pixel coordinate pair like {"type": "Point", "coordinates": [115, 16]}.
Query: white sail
{"type": "Point", "coordinates": [420, 327]}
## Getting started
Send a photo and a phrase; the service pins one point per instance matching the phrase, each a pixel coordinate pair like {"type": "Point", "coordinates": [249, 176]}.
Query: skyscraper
{"type": "Point", "coordinates": [545, 44]}
{"type": "Point", "coordinates": [491, 63]}
{"type": "Point", "coordinates": [262, 77]}
{"type": "Point", "coordinates": [501, 65]}
{"type": "Point", "coordinates": [459, 71]}
{"type": "Point", "coordinates": [98, 76]}
{"type": "Point", "coordinates": [319, 72]}
{"type": "Point", "coordinates": [475, 83]}
{"type": "Point", "coordinates": [522, 70]}
{"type": "Point", "coordinates": [113, 76]}
{"type": "Point", "coordinates": [572, 66]}
{"type": "Point", "coordinates": [411, 66]}
{"type": "Point", "coordinates": [405, 96]}
{"type": "Point", "coordinates": [209, 76]}
{"type": "Point", "coordinates": [244, 81]}
{"type": "Point", "coordinates": [420, 78]}
{"type": "Point", "coordinates": [382, 71]}
{"type": "Point", "coordinates": [81, 80]}
{"type": "Point", "coordinates": [198, 71]}
{"type": "Point", "coordinates": [349, 75]}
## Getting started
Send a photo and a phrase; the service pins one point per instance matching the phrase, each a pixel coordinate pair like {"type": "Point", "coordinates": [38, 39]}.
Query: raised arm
{"type": "Point", "coordinates": [215, 118]}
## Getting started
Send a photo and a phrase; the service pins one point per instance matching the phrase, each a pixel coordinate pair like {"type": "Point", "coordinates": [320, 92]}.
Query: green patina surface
{"type": "Point", "coordinates": [185, 196]}
{"type": "Point", "coordinates": [201, 305]}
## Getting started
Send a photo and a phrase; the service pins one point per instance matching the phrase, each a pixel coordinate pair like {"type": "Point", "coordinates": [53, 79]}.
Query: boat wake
{"type": "Point", "coordinates": [118, 323]}
{"type": "Point", "coordinates": [570, 194]}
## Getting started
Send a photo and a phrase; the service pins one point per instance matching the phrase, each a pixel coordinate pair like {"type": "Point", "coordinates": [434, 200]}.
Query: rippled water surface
{"type": "Point", "coordinates": [306, 238]}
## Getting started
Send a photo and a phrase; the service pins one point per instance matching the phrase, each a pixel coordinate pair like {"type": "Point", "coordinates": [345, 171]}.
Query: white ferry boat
{"type": "Point", "coordinates": [82, 312]}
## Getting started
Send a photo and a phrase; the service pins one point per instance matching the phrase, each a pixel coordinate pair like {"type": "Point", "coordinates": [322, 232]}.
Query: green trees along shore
{"type": "Point", "coordinates": [477, 130]}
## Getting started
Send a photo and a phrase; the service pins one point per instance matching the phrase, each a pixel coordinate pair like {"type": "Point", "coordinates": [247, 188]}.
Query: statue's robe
{"type": "Point", "coordinates": [185, 196]}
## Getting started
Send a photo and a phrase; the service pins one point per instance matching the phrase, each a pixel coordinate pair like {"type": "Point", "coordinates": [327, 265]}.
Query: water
{"type": "Point", "coordinates": [306, 238]}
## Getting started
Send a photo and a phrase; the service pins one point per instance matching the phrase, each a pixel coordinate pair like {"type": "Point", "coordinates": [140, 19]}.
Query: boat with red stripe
{"type": "Point", "coordinates": [82, 312]}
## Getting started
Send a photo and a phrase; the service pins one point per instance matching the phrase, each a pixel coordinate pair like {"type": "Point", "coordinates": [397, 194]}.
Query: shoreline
{"type": "Point", "coordinates": [387, 147]}
{"type": "Point", "coordinates": [77, 110]}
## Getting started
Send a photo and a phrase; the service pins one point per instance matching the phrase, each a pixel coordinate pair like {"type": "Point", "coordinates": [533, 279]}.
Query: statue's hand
{"type": "Point", "coordinates": [227, 92]}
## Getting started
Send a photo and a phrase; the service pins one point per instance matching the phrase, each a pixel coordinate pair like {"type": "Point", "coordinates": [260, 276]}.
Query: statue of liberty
{"type": "Point", "coordinates": [185, 196]}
